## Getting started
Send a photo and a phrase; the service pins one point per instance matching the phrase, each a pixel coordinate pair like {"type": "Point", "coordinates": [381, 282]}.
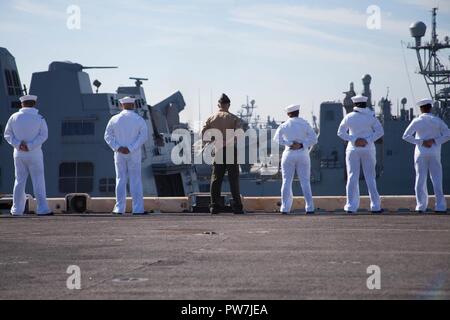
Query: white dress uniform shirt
{"type": "Point", "coordinates": [296, 130]}
{"type": "Point", "coordinates": [427, 127]}
{"type": "Point", "coordinates": [28, 126]}
{"type": "Point", "coordinates": [361, 123]}
{"type": "Point", "coordinates": [127, 129]}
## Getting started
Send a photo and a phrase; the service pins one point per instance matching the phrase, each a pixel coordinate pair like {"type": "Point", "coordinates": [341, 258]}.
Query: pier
{"type": "Point", "coordinates": [178, 254]}
{"type": "Point", "coordinates": [392, 204]}
{"type": "Point", "coordinates": [199, 256]}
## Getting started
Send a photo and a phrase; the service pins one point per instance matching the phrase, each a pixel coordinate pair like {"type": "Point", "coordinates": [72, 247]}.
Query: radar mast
{"type": "Point", "coordinates": [435, 73]}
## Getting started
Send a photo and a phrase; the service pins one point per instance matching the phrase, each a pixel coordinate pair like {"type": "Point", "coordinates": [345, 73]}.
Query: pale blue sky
{"type": "Point", "coordinates": [277, 52]}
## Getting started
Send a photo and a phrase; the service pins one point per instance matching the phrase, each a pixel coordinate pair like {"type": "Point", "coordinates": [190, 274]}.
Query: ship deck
{"type": "Point", "coordinates": [198, 256]}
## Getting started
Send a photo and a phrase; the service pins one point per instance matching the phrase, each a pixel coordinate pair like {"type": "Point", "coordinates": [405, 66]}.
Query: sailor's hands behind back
{"type": "Point", "coordinates": [361, 143]}
{"type": "Point", "coordinates": [23, 147]}
{"type": "Point", "coordinates": [296, 146]}
{"type": "Point", "coordinates": [429, 143]}
{"type": "Point", "coordinates": [124, 150]}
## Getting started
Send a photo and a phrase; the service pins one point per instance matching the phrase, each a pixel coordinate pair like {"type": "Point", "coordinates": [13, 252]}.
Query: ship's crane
{"type": "Point", "coordinates": [436, 75]}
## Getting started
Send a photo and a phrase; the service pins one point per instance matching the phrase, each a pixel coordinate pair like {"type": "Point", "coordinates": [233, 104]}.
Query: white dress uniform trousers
{"type": "Point", "coordinates": [30, 127]}
{"type": "Point", "coordinates": [296, 130]}
{"type": "Point", "coordinates": [127, 129]}
{"type": "Point", "coordinates": [427, 127]}
{"type": "Point", "coordinates": [361, 123]}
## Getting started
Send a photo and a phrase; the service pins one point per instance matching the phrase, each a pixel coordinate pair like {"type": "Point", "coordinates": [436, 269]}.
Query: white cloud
{"type": "Point", "coordinates": [303, 19]}
{"type": "Point", "coordinates": [443, 5]}
{"type": "Point", "coordinates": [302, 13]}
{"type": "Point", "coordinates": [298, 51]}
{"type": "Point", "coordinates": [289, 26]}
{"type": "Point", "coordinates": [13, 27]}
{"type": "Point", "coordinates": [38, 9]}
{"type": "Point", "coordinates": [281, 19]}
{"type": "Point", "coordinates": [162, 7]}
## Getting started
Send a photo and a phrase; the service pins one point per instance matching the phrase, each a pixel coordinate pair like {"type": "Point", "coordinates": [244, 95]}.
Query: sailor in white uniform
{"type": "Point", "coordinates": [126, 133]}
{"type": "Point", "coordinates": [428, 133]}
{"type": "Point", "coordinates": [361, 129]}
{"type": "Point", "coordinates": [26, 131]}
{"type": "Point", "coordinates": [297, 135]}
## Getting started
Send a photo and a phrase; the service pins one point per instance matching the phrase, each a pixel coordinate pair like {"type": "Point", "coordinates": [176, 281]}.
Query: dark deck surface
{"type": "Point", "coordinates": [258, 256]}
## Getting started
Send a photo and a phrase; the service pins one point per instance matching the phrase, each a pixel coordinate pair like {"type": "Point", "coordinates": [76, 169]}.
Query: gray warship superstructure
{"type": "Point", "coordinates": [77, 159]}
{"type": "Point", "coordinates": [395, 164]}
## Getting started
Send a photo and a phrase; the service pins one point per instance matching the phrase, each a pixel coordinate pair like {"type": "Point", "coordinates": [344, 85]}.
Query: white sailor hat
{"type": "Point", "coordinates": [424, 102]}
{"type": "Point", "coordinates": [28, 98]}
{"type": "Point", "coordinates": [292, 108]}
{"type": "Point", "coordinates": [359, 99]}
{"type": "Point", "coordinates": [127, 100]}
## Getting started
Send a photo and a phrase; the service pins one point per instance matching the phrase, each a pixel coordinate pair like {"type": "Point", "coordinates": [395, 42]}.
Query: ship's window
{"type": "Point", "coordinates": [16, 81]}
{"type": "Point", "coordinates": [15, 78]}
{"type": "Point", "coordinates": [8, 78]}
{"type": "Point", "coordinates": [9, 82]}
{"type": "Point", "coordinates": [389, 153]}
{"type": "Point", "coordinates": [76, 177]}
{"type": "Point", "coordinates": [13, 83]}
{"type": "Point", "coordinates": [78, 128]}
{"type": "Point", "coordinates": [107, 185]}
{"type": "Point", "coordinates": [1, 135]}
{"type": "Point", "coordinates": [329, 115]}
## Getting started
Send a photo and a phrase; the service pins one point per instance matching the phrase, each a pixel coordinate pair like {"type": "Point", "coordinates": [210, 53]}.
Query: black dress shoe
{"type": "Point", "coordinates": [214, 210]}
{"type": "Point", "coordinates": [141, 214]}
{"type": "Point", "coordinates": [238, 208]}
{"type": "Point", "coordinates": [379, 211]}
{"type": "Point", "coordinates": [350, 212]}
{"type": "Point", "coordinates": [310, 212]}
{"type": "Point", "coordinates": [117, 214]}
{"type": "Point", "coordinates": [284, 213]}
{"type": "Point", "coordinates": [46, 214]}
{"type": "Point", "coordinates": [440, 212]}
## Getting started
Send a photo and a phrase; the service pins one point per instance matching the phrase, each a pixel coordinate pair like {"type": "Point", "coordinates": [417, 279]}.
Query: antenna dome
{"type": "Point", "coordinates": [418, 29]}
{"type": "Point", "coordinates": [367, 79]}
